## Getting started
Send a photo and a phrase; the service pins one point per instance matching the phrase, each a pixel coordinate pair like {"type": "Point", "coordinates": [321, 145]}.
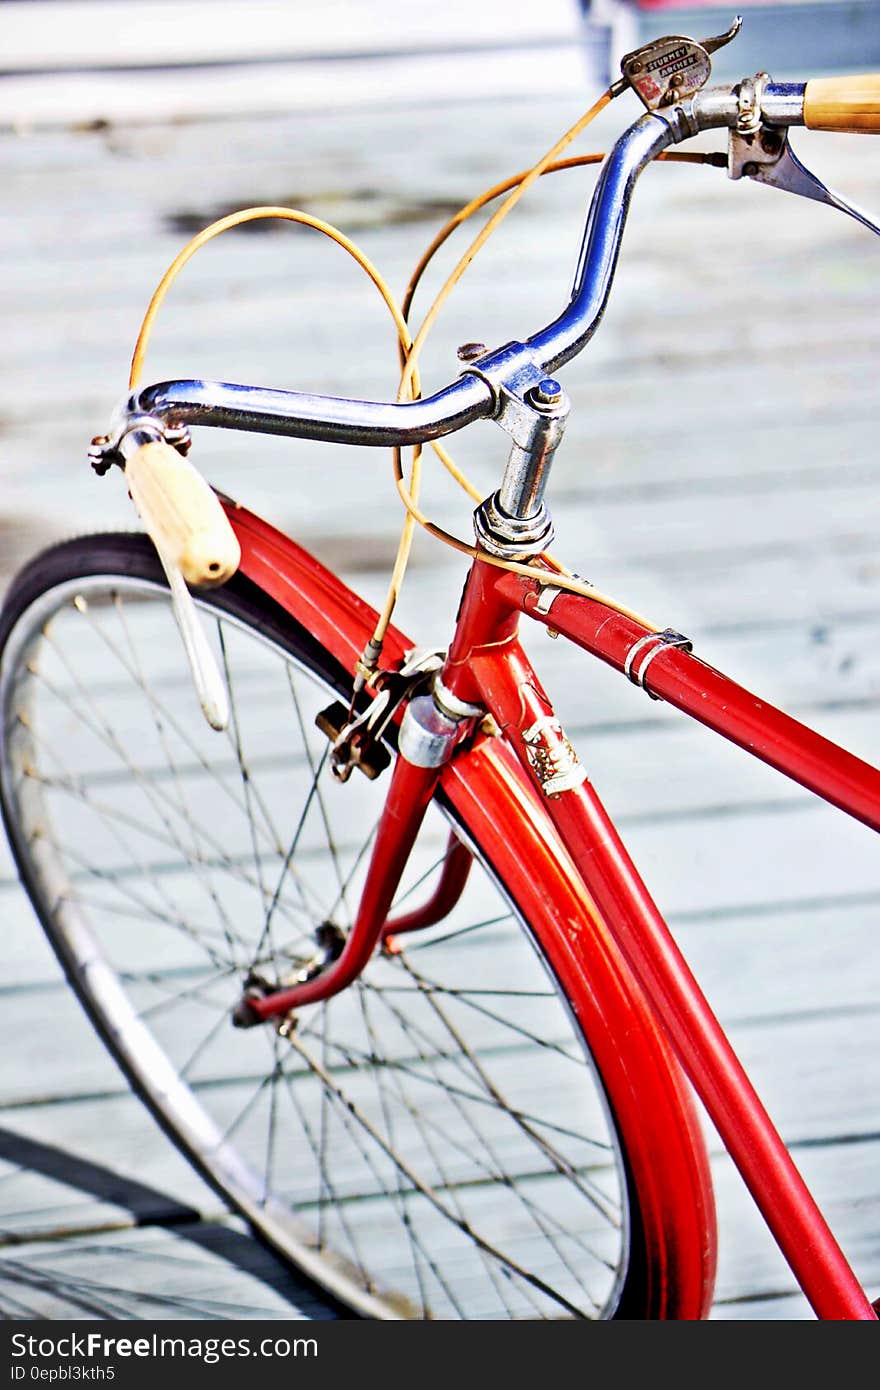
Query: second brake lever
{"type": "Point", "coordinates": [191, 534]}
{"type": "Point", "coordinates": [763, 153]}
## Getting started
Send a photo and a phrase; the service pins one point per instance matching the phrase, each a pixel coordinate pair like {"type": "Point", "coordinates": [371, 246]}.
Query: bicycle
{"type": "Point", "coordinates": [473, 1139]}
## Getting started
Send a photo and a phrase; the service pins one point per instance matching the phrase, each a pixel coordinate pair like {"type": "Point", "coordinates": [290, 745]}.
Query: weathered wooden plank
{"type": "Point", "coordinates": [844, 1176]}
{"type": "Point", "coordinates": [212, 1271]}
{"type": "Point", "coordinates": [49, 1189]}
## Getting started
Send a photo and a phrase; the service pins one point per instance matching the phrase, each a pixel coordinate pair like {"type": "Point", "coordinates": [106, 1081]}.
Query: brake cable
{"type": "Point", "coordinates": [409, 351]}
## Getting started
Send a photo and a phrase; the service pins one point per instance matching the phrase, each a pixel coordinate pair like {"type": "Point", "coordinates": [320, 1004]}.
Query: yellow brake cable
{"type": "Point", "coordinates": [562, 578]}
{"type": "Point", "coordinates": [410, 349]}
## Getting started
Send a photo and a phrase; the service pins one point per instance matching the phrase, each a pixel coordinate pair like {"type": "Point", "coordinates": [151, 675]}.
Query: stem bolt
{"type": "Point", "coordinates": [547, 392]}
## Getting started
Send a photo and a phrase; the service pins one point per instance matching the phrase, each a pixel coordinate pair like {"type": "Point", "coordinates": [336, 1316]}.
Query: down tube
{"type": "Point", "coordinates": [513, 694]}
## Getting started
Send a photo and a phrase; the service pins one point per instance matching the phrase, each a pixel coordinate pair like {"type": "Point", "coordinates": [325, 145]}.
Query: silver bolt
{"type": "Point", "coordinates": [179, 437]}
{"type": "Point", "coordinates": [469, 352]}
{"type": "Point", "coordinates": [547, 392]}
{"type": "Point", "coordinates": [98, 451]}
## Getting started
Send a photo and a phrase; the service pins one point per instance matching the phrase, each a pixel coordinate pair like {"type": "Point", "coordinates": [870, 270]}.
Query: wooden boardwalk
{"type": "Point", "coordinates": [719, 474]}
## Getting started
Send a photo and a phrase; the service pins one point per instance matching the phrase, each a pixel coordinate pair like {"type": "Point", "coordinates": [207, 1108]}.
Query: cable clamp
{"type": "Point", "coordinates": [550, 592]}
{"type": "Point", "coordinates": [642, 653]}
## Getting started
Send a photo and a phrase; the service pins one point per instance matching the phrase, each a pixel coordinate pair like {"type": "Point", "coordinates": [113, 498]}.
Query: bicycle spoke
{"type": "Point", "coordinates": [408, 1067]}
{"type": "Point", "coordinates": [493, 1097]}
{"type": "Point", "coordinates": [201, 1048]}
{"type": "Point", "coordinates": [493, 1173]}
{"type": "Point", "coordinates": [387, 1119]}
{"type": "Point", "coordinates": [465, 997]}
{"type": "Point", "coordinates": [113, 819]}
{"type": "Point", "coordinates": [457, 934]}
{"type": "Point", "coordinates": [193, 992]}
{"type": "Point", "coordinates": [250, 798]}
{"type": "Point", "coordinates": [155, 797]}
{"type": "Point", "coordinates": [424, 1127]}
{"type": "Point", "coordinates": [327, 1183]}
{"type": "Point", "coordinates": [358, 861]}
{"type": "Point", "coordinates": [179, 729]}
{"type": "Point", "coordinates": [552, 1154]}
{"type": "Point", "coordinates": [289, 856]}
{"type": "Point", "coordinates": [342, 884]}
{"type": "Point", "coordinates": [159, 725]}
{"type": "Point", "coordinates": [228, 864]}
{"type": "Point", "coordinates": [427, 1191]}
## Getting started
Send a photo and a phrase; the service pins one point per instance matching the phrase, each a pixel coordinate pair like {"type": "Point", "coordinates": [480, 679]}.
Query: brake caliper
{"type": "Point", "coordinates": [357, 739]}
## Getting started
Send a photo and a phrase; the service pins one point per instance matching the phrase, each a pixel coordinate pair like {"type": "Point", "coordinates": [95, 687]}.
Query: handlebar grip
{"type": "Point", "coordinates": [850, 102]}
{"type": "Point", "coordinates": [182, 515]}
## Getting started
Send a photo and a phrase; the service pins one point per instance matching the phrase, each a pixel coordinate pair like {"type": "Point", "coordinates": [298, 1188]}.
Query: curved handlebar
{"type": "Point", "coordinates": [564, 338]}
{"type": "Point", "coordinates": [305, 416]}
{"type": "Point", "coordinates": [471, 397]}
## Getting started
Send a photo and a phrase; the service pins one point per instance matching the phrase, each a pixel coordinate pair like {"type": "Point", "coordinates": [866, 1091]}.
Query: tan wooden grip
{"type": "Point", "coordinates": [182, 515]}
{"type": "Point", "coordinates": [843, 103]}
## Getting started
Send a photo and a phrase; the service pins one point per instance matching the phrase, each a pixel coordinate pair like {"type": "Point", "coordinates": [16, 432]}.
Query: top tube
{"type": "Point", "coordinates": [471, 397]}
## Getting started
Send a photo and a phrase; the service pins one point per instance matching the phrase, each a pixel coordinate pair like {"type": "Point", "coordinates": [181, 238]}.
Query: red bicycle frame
{"type": "Point", "coordinates": [486, 666]}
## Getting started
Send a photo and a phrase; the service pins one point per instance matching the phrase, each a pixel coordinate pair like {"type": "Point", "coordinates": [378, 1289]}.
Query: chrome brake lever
{"type": "Point", "coordinates": [792, 177]}
{"type": "Point", "coordinates": [208, 682]}
{"type": "Point", "coordinates": [764, 154]}
{"type": "Point", "coordinates": [722, 40]}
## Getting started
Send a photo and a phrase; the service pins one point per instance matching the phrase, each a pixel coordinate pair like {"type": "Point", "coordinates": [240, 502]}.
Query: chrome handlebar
{"type": "Point", "coordinates": [474, 395]}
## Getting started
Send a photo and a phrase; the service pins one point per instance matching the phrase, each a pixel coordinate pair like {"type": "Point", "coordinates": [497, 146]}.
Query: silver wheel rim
{"type": "Point", "coordinates": [418, 1206]}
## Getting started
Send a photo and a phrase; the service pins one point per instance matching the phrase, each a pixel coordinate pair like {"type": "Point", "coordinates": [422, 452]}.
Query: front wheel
{"type": "Point", "coordinates": [436, 1142]}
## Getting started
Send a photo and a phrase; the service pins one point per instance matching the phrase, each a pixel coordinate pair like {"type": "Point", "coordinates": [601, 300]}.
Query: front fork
{"type": "Point", "coordinates": [427, 738]}
{"type": "Point", "coordinates": [433, 726]}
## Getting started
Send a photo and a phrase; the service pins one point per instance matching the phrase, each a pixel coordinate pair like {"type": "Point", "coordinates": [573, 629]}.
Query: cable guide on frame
{"type": "Point", "coordinates": [642, 653]}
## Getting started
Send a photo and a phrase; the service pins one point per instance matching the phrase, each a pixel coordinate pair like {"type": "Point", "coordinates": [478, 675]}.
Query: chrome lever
{"type": "Point", "coordinates": [789, 174]}
{"type": "Point", "coordinates": [765, 156]}
{"type": "Point", "coordinates": [208, 682]}
{"type": "Point", "coordinates": [721, 40]}
{"type": "Point", "coordinates": [210, 687]}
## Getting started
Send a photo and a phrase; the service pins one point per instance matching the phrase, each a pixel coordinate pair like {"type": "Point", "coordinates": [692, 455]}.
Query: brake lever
{"type": "Point", "coordinates": [132, 436]}
{"type": "Point", "coordinates": [209, 684]}
{"type": "Point", "coordinates": [764, 155]}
